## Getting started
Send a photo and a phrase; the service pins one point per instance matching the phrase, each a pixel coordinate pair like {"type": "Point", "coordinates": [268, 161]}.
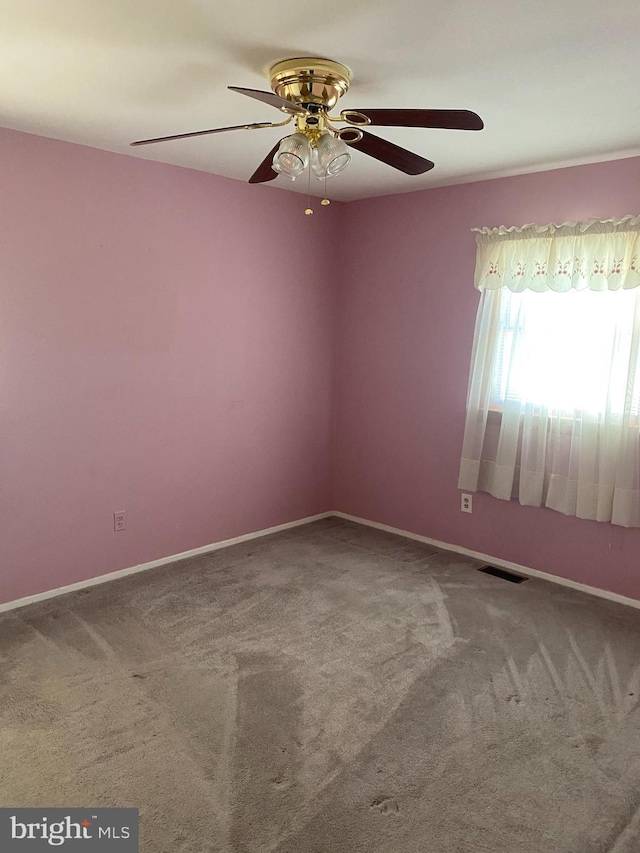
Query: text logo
{"type": "Point", "coordinates": [72, 830]}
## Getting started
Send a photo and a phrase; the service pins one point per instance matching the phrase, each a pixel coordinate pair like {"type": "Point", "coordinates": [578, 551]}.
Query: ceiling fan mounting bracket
{"type": "Point", "coordinates": [350, 135]}
{"type": "Point", "coordinates": [310, 80]}
{"type": "Point", "coordinates": [354, 117]}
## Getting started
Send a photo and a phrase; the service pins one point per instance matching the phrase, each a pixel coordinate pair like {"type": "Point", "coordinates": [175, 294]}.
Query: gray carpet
{"type": "Point", "coordinates": [331, 689]}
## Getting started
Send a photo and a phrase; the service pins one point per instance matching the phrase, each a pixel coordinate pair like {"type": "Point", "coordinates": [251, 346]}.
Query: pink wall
{"type": "Point", "coordinates": [158, 354]}
{"type": "Point", "coordinates": [407, 314]}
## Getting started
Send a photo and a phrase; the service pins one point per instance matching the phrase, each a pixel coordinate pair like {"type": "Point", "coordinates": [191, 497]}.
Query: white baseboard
{"type": "Point", "coordinates": [142, 567]}
{"type": "Point", "coordinates": [205, 549]}
{"type": "Point", "coordinates": [496, 561]}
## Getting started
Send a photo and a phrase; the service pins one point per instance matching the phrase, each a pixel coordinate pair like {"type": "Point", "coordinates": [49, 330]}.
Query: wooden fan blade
{"type": "Point", "coordinates": [264, 172]}
{"type": "Point", "coordinates": [201, 133]}
{"type": "Point", "coordinates": [387, 152]}
{"type": "Point", "coordinates": [270, 98]}
{"type": "Point", "coordinates": [450, 119]}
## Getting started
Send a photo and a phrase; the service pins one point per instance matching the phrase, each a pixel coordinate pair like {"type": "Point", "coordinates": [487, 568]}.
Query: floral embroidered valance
{"type": "Point", "coordinates": [595, 254]}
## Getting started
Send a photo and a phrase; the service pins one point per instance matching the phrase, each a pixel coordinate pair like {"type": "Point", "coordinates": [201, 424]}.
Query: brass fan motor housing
{"type": "Point", "coordinates": [309, 80]}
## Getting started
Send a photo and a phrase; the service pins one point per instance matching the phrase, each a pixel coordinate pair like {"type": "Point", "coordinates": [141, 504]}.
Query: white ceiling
{"type": "Point", "coordinates": [556, 81]}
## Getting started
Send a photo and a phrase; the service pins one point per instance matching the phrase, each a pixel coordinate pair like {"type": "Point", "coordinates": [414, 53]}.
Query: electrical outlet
{"type": "Point", "coordinates": [466, 503]}
{"type": "Point", "coordinates": [119, 521]}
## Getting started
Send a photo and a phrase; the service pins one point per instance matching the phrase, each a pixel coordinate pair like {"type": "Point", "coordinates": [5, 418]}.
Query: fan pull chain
{"type": "Point", "coordinates": [325, 200]}
{"type": "Point", "coordinates": [309, 209]}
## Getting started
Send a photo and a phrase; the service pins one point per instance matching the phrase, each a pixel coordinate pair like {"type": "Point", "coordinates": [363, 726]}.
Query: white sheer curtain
{"type": "Point", "coordinates": [553, 406]}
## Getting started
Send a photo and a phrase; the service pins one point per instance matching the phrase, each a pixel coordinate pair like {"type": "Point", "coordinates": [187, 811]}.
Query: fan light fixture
{"type": "Point", "coordinates": [332, 156]}
{"type": "Point", "coordinates": [292, 156]}
{"type": "Point", "coordinates": [328, 156]}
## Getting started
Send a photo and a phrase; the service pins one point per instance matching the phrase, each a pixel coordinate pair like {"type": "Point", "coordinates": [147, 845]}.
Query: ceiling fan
{"type": "Point", "coordinates": [306, 89]}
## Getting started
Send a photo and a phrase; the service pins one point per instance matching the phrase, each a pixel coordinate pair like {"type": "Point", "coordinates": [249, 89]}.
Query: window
{"type": "Point", "coordinates": [565, 351]}
{"type": "Point", "coordinates": [556, 352]}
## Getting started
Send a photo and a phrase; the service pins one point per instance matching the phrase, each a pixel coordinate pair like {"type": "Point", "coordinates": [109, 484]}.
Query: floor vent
{"type": "Point", "coordinates": [502, 573]}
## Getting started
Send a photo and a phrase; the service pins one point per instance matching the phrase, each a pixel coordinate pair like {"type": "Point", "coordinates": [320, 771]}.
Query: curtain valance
{"type": "Point", "coordinates": [595, 254]}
